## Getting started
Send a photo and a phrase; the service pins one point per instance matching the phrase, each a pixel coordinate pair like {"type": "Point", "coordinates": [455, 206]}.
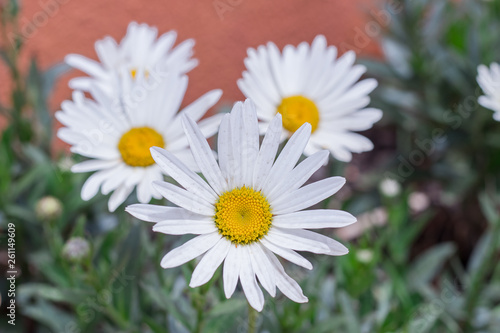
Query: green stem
{"type": "Point", "coordinates": [477, 280]}
{"type": "Point", "coordinates": [199, 321]}
{"type": "Point", "coordinates": [116, 317]}
{"type": "Point", "coordinates": [199, 301]}
{"type": "Point", "coordinates": [252, 319]}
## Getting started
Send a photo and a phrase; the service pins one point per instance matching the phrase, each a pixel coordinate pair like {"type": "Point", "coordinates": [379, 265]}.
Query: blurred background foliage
{"type": "Point", "coordinates": [423, 254]}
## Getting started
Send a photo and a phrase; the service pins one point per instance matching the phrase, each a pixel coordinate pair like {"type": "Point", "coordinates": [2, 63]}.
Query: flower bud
{"type": "Point", "coordinates": [48, 208]}
{"type": "Point", "coordinates": [418, 202]}
{"type": "Point", "coordinates": [364, 256]}
{"type": "Point", "coordinates": [390, 187]}
{"type": "Point", "coordinates": [75, 249]}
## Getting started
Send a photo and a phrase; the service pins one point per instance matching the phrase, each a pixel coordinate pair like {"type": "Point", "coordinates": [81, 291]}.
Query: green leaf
{"type": "Point", "coordinates": [51, 75]}
{"type": "Point", "coordinates": [154, 325]}
{"type": "Point", "coordinates": [50, 293]}
{"type": "Point", "coordinates": [165, 303]}
{"type": "Point", "coordinates": [422, 320]}
{"type": "Point", "coordinates": [55, 319]}
{"type": "Point", "coordinates": [428, 264]}
{"type": "Point", "coordinates": [480, 250]}
{"type": "Point", "coordinates": [488, 208]}
{"type": "Point", "coordinates": [351, 319]}
{"type": "Point", "coordinates": [229, 307]}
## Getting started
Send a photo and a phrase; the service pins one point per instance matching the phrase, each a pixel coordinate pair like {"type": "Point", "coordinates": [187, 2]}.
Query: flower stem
{"type": "Point", "coordinates": [252, 319]}
{"type": "Point", "coordinates": [199, 302]}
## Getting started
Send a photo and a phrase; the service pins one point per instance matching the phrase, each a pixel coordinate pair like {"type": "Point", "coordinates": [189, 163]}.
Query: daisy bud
{"type": "Point", "coordinates": [390, 187]}
{"type": "Point", "coordinates": [364, 256]}
{"type": "Point", "coordinates": [75, 249]}
{"type": "Point", "coordinates": [418, 202]}
{"type": "Point", "coordinates": [48, 208]}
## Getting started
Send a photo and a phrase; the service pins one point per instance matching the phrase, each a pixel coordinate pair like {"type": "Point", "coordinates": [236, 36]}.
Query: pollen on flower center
{"type": "Point", "coordinates": [243, 215]}
{"type": "Point", "coordinates": [134, 146]}
{"type": "Point", "coordinates": [297, 110]}
{"type": "Point", "coordinates": [134, 71]}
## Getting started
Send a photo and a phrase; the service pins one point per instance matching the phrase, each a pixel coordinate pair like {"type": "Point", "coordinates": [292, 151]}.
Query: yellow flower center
{"type": "Point", "coordinates": [297, 110]}
{"type": "Point", "coordinates": [134, 71]}
{"type": "Point", "coordinates": [243, 215]}
{"type": "Point", "coordinates": [134, 146]}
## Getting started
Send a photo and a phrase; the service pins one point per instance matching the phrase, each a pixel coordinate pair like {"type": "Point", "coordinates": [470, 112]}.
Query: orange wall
{"type": "Point", "coordinates": [222, 35]}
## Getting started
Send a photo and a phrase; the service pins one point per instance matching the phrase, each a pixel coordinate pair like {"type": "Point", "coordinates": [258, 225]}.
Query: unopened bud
{"type": "Point", "coordinates": [390, 187]}
{"type": "Point", "coordinates": [76, 248]}
{"type": "Point", "coordinates": [48, 208]}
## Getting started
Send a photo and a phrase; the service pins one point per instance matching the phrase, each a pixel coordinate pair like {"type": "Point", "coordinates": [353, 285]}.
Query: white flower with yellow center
{"type": "Point", "coordinates": [489, 81]}
{"type": "Point", "coordinates": [140, 53]}
{"type": "Point", "coordinates": [309, 84]}
{"type": "Point", "coordinates": [250, 207]}
{"type": "Point", "coordinates": [117, 135]}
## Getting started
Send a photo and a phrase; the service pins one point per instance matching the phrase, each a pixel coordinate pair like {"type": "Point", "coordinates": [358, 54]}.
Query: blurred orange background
{"type": "Point", "coordinates": [223, 30]}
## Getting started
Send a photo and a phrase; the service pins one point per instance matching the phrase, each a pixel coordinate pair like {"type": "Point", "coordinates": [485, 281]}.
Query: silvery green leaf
{"type": "Point", "coordinates": [349, 312]}
{"type": "Point", "coordinates": [397, 56]}
{"type": "Point", "coordinates": [56, 320]}
{"type": "Point", "coordinates": [479, 252]}
{"type": "Point", "coordinates": [428, 264]}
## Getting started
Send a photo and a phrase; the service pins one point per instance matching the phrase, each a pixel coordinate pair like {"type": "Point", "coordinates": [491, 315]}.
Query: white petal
{"type": "Point", "coordinates": [80, 83]}
{"type": "Point", "coordinates": [335, 248]}
{"type": "Point", "coordinates": [262, 268]}
{"type": "Point", "coordinates": [156, 213]}
{"type": "Point", "coordinates": [300, 174]}
{"type": "Point", "coordinates": [267, 153]}
{"type": "Point", "coordinates": [286, 284]}
{"type": "Point", "coordinates": [119, 196]}
{"type": "Point", "coordinates": [209, 126]}
{"type": "Point", "coordinates": [106, 50]}
{"type": "Point", "coordinates": [314, 219]}
{"type": "Point", "coordinates": [115, 180]}
{"type": "Point", "coordinates": [198, 108]}
{"type": "Point", "coordinates": [185, 199]}
{"type": "Point", "coordinates": [249, 141]}
{"type": "Point", "coordinates": [248, 282]}
{"type": "Point", "coordinates": [181, 173]}
{"type": "Point", "coordinates": [182, 227]}
{"type": "Point", "coordinates": [92, 184]}
{"type": "Point", "coordinates": [163, 44]}
{"type": "Point", "coordinates": [190, 250]}
{"type": "Point", "coordinates": [237, 165]}
{"type": "Point", "coordinates": [307, 196]}
{"type": "Point", "coordinates": [287, 254]}
{"type": "Point", "coordinates": [89, 66]}
{"type": "Point", "coordinates": [93, 165]}
{"type": "Point", "coordinates": [145, 187]}
{"type": "Point", "coordinates": [196, 111]}
{"type": "Point", "coordinates": [289, 239]}
{"type": "Point", "coordinates": [231, 270]}
{"type": "Point", "coordinates": [186, 157]}
{"type": "Point", "coordinates": [288, 157]}
{"type": "Point", "coordinates": [225, 153]}
{"type": "Point", "coordinates": [203, 155]}
{"type": "Point", "coordinates": [209, 263]}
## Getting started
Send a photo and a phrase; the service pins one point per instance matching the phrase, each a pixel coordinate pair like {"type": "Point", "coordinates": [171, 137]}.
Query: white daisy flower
{"type": "Point", "coordinates": [489, 81]}
{"type": "Point", "coordinates": [117, 135]}
{"type": "Point", "coordinates": [250, 207]}
{"type": "Point", "coordinates": [139, 53]}
{"type": "Point", "coordinates": [308, 84]}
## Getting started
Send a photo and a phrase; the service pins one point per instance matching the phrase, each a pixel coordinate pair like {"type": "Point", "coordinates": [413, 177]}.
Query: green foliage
{"type": "Point", "coordinates": [428, 91]}
{"type": "Point", "coordinates": [427, 83]}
